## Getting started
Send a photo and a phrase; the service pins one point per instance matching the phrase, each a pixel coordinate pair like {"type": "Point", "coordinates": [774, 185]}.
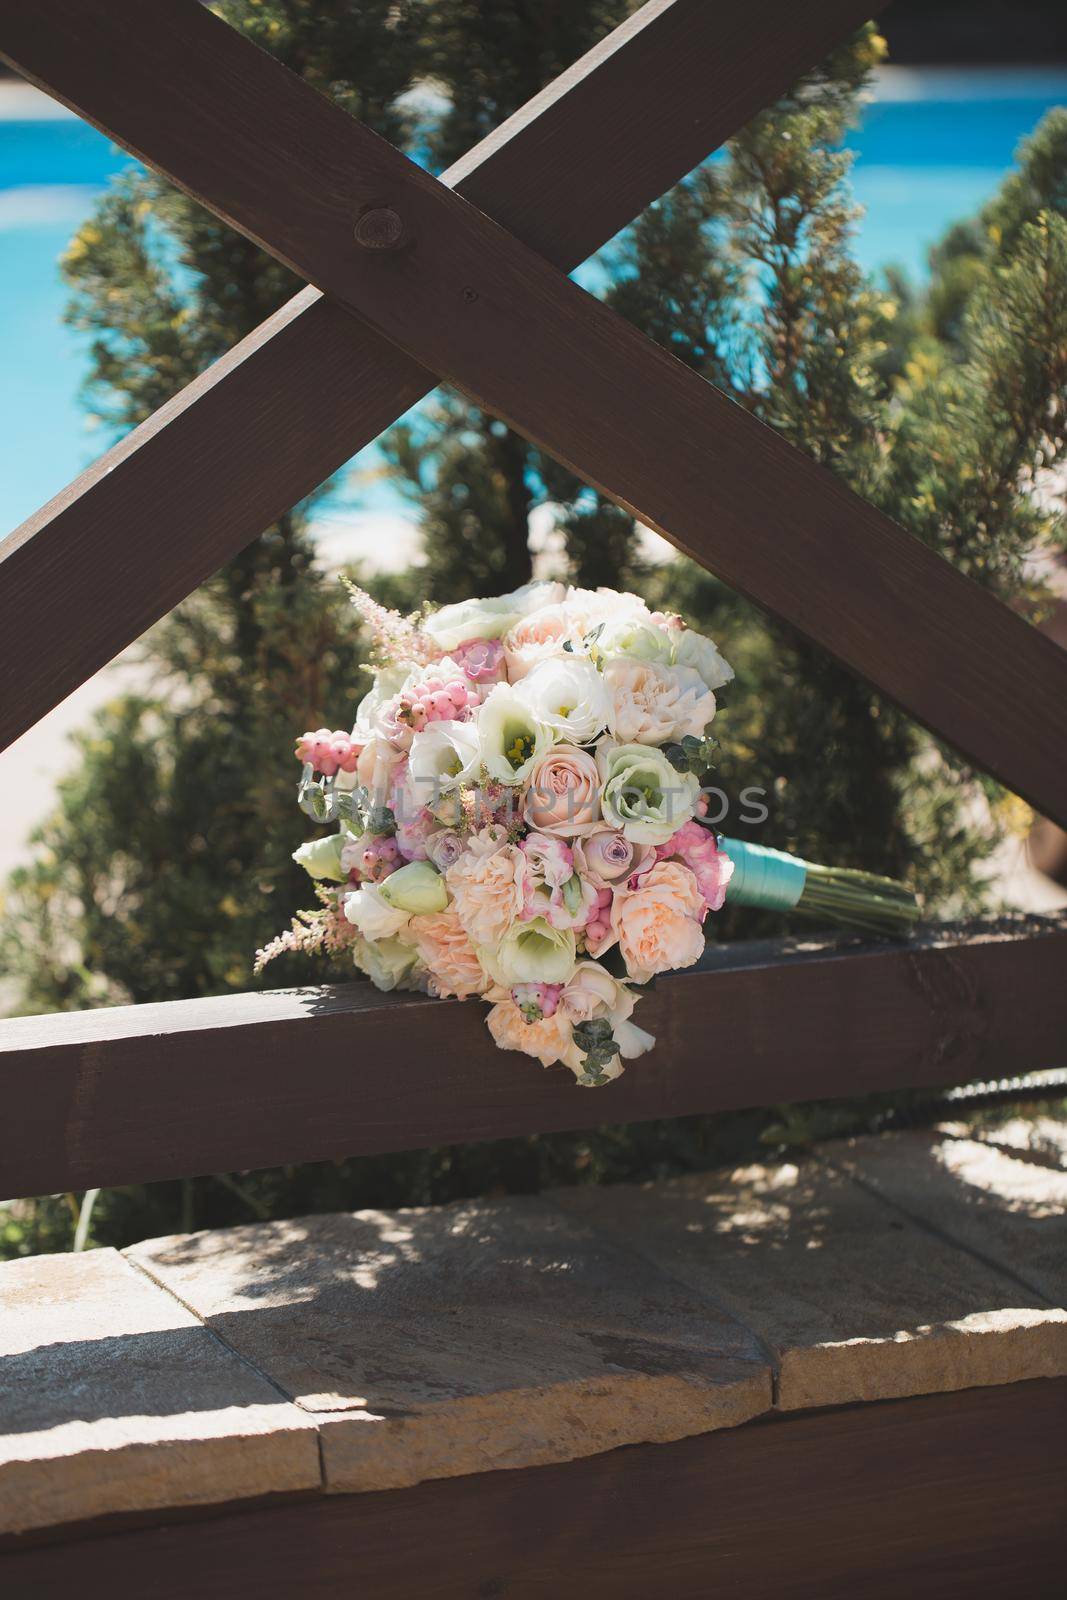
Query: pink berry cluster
{"type": "Point", "coordinates": [328, 752]}
{"type": "Point", "coordinates": [598, 928]}
{"type": "Point", "coordinates": [369, 860]}
{"type": "Point", "coordinates": [435, 699]}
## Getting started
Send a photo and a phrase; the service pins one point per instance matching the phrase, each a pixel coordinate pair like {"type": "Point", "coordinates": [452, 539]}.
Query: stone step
{"type": "Point", "coordinates": [373, 1351]}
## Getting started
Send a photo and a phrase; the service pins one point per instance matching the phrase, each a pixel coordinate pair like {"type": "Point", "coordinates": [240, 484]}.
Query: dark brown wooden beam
{"type": "Point", "coordinates": [289, 405]}
{"type": "Point", "coordinates": [290, 169]}
{"type": "Point", "coordinates": [946, 1497]}
{"type": "Point", "coordinates": [256, 1080]}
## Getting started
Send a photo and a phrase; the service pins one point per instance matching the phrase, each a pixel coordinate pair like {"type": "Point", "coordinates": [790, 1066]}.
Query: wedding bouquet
{"type": "Point", "coordinates": [518, 817]}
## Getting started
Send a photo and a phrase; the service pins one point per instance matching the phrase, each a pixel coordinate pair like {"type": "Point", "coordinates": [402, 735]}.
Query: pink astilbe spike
{"type": "Point", "coordinates": [395, 638]}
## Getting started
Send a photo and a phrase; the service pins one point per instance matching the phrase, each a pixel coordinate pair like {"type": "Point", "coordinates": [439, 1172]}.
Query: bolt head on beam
{"type": "Point", "coordinates": [379, 228]}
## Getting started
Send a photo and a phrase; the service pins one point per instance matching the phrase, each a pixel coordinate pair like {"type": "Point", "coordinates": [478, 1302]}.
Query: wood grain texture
{"type": "Point", "coordinates": [135, 1093]}
{"type": "Point", "coordinates": [291, 403]}
{"type": "Point", "coordinates": [947, 1497]}
{"type": "Point", "coordinates": [482, 309]}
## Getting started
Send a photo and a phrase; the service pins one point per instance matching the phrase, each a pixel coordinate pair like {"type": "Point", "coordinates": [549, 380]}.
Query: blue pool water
{"type": "Point", "coordinates": [931, 147]}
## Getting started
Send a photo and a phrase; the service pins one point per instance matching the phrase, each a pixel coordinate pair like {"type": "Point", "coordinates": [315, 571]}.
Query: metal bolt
{"type": "Point", "coordinates": [380, 228]}
{"type": "Point", "coordinates": [470, 295]}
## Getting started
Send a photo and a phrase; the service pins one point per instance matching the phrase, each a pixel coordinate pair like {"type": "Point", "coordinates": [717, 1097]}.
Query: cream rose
{"type": "Point", "coordinates": [654, 704]}
{"type": "Point", "coordinates": [658, 923]}
{"type": "Point", "coordinates": [453, 625]}
{"type": "Point", "coordinates": [562, 793]}
{"type": "Point", "coordinates": [486, 886]}
{"type": "Point", "coordinates": [446, 951]}
{"type": "Point", "coordinates": [388, 963]}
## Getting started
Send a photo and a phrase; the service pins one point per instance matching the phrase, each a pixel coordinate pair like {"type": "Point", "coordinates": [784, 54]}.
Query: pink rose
{"type": "Point", "coordinates": [482, 661]}
{"type": "Point", "coordinates": [697, 848]}
{"type": "Point", "coordinates": [607, 858]}
{"type": "Point", "coordinates": [538, 637]}
{"type": "Point", "coordinates": [550, 886]}
{"type": "Point", "coordinates": [562, 793]}
{"type": "Point", "coordinates": [658, 923]}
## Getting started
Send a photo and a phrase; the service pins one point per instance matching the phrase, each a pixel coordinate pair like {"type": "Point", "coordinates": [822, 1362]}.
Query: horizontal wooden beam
{"type": "Point", "coordinates": [294, 401]}
{"type": "Point", "coordinates": [941, 1497]}
{"type": "Point", "coordinates": [482, 309]}
{"type": "Point", "coordinates": [255, 1080]}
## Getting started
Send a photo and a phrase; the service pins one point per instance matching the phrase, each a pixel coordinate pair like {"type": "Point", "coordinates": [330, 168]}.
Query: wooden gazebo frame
{"type": "Point", "coordinates": [413, 280]}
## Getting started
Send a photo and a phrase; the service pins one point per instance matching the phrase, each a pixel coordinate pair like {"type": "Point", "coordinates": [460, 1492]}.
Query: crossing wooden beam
{"type": "Point", "coordinates": [425, 269]}
{"type": "Point", "coordinates": [289, 405]}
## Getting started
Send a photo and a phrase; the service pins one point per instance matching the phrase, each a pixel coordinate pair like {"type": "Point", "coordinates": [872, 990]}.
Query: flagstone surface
{"type": "Point", "coordinates": [375, 1350]}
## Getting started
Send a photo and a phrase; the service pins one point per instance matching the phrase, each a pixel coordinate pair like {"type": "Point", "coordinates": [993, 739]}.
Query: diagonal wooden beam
{"type": "Point", "coordinates": [483, 310]}
{"type": "Point", "coordinates": [290, 404]}
{"type": "Point", "coordinates": [134, 1093]}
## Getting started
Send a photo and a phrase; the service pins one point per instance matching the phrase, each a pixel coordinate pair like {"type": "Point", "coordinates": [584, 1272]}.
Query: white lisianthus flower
{"type": "Point", "coordinates": [443, 756]}
{"type": "Point", "coordinates": [701, 653]}
{"type": "Point", "coordinates": [368, 910]}
{"type": "Point", "coordinates": [531, 952]}
{"type": "Point", "coordinates": [487, 619]}
{"type": "Point", "coordinates": [511, 738]}
{"type": "Point", "coordinates": [568, 695]}
{"type": "Point", "coordinates": [388, 963]}
{"type": "Point", "coordinates": [654, 704]}
{"type": "Point", "coordinates": [637, 638]}
{"type": "Point", "coordinates": [416, 889]}
{"type": "Point", "coordinates": [642, 795]}
{"type": "Point", "coordinates": [321, 858]}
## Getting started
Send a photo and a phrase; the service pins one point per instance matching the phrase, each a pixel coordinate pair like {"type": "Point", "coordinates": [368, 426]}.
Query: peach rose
{"type": "Point", "coordinates": [445, 949]}
{"type": "Point", "coordinates": [549, 1040]}
{"type": "Point", "coordinates": [658, 923]}
{"type": "Point", "coordinates": [562, 794]}
{"type": "Point", "coordinates": [486, 886]}
{"type": "Point", "coordinates": [655, 704]}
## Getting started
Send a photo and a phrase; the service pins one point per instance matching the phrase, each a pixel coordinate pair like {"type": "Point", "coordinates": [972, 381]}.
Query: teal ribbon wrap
{"type": "Point", "coordinates": [763, 877]}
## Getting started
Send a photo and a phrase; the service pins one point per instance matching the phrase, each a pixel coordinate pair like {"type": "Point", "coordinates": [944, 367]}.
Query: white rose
{"type": "Point", "coordinates": [511, 738]}
{"type": "Point", "coordinates": [653, 704]}
{"type": "Point", "coordinates": [368, 910]}
{"type": "Point", "coordinates": [322, 858]}
{"type": "Point", "coordinates": [416, 889]}
{"type": "Point", "coordinates": [568, 695]}
{"type": "Point", "coordinates": [388, 963]}
{"type": "Point", "coordinates": [636, 637]}
{"type": "Point", "coordinates": [387, 681]}
{"type": "Point", "coordinates": [487, 619]}
{"type": "Point", "coordinates": [696, 651]}
{"type": "Point", "coordinates": [643, 796]}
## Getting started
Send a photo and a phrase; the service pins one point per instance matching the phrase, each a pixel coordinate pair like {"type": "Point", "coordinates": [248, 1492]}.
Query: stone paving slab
{"type": "Point", "coordinates": [113, 1397]}
{"type": "Point", "coordinates": [853, 1299]}
{"type": "Point", "coordinates": [375, 1350]}
{"type": "Point", "coordinates": [1002, 1199]}
{"type": "Point", "coordinates": [437, 1342]}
